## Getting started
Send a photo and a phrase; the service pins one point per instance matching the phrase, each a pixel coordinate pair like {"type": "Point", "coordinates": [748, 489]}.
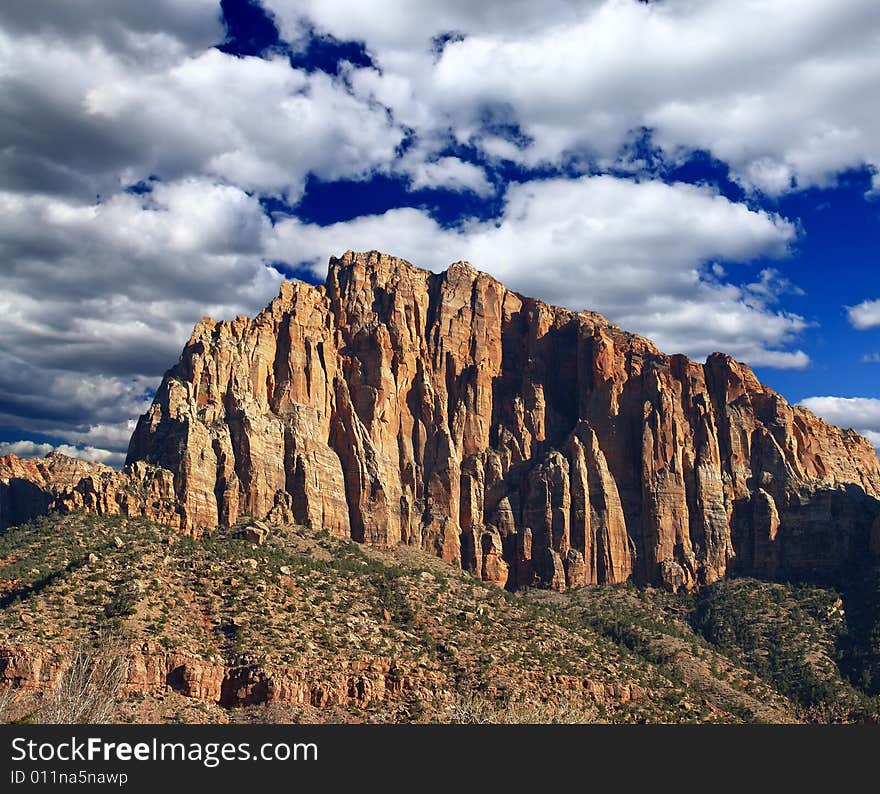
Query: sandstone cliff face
{"type": "Point", "coordinates": [29, 486]}
{"type": "Point", "coordinates": [527, 443]}
{"type": "Point", "coordinates": [151, 668]}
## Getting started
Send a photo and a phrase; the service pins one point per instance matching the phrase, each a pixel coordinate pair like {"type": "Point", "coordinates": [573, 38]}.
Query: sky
{"type": "Point", "coordinates": [702, 172]}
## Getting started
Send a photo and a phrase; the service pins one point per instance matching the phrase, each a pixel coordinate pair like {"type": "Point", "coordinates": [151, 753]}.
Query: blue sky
{"type": "Point", "coordinates": [703, 173]}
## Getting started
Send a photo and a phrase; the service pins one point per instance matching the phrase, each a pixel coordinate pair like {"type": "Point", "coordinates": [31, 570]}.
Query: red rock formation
{"type": "Point", "coordinates": [524, 441]}
{"type": "Point", "coordinates": [151, 668]}
{"type": "Point", "coordinates": [55, 472]}
{"type": "Point", "coordinates": [140, 490]}
{"type": "Point", "coordinates": [28, 486]}
{"type": "Point", "coordinates": [527, 443]}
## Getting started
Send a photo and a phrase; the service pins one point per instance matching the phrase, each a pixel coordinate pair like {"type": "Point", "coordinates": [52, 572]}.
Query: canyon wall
{"type": "Point", "coordinates": [529, 444]}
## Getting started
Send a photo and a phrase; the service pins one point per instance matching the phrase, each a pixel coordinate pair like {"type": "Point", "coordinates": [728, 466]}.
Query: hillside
{"type": "Point", "coordinates": [285, 623]}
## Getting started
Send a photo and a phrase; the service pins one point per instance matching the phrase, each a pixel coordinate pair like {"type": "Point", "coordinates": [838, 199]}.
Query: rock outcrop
{"type": "Point", "coordinates": [28, 486]}
{"type": "Point", "coordinates": [151, 668]}
{"type": "Point", "coordinates": [527, 443]}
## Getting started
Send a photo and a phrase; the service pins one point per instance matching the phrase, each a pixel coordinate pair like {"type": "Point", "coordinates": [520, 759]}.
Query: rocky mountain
{"type": "Point", "coordinates": [529, 444]}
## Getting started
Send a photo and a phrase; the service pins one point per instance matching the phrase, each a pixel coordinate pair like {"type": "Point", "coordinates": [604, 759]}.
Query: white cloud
{"type": "Point", "coordinates": [194, 23]}
{"type": "Point", "coordinates": [85, 119]}
{"type": "Point", "coordinates": [96, 300]}
{"type": "Point", "coordinates": [632, 250]}
{"type": "Point", "coordinates": [771, 284]}
{"type": "Point", "coordinates": [859, 413]}
{"type": "Point", "coordinates": [398, 25]}
{"type": "Point", "coordinates": [874, 437]}
{"type": "Point", "coordinates": [784, 92]}
{"type": "Point", "coordinates": [25, 449]}
{"type": "Point", "coordinates": [187, 242]}
{"type": "Point", "coordinates": [450, 173]}
{"type": "Point", "coordinates": [865, 315]}
{"type": "Point", "coordinates": [112, 436]}
{"type": "Point", "coordinates": [257, 123]}
{"type": "Point", "coordinates": [30, 449]}
{"type": "Point", "coordinates": [846, 411]}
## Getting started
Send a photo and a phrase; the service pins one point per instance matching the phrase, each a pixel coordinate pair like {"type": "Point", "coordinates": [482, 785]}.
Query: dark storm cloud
{"type": "Point", "coordinates": [196, 22]}
{"type": "Point", "coordinates": [73, 152]}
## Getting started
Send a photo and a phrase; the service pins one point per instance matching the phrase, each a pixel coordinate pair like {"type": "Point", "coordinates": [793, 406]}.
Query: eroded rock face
{"type": "Point", "coordinates": [151, 668]}
{"type": "Point", "coordinates": [28, 486]}
{"type": "Point", "coordinates": [527, 443]}
{"type": "Point", "coordinates": [31, 487]}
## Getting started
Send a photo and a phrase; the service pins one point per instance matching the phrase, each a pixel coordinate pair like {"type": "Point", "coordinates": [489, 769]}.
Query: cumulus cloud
{"type": "Point", "coordinates": [195, 23]}
{"type": "Point", "coordinates": [632, 250]}
{"type": "Point", "coordinates": [30, 449]}
{"type": "Point", "coordinates": [865, 315]}
{"type": "Point", "coordinates": [85, 410]}
{"type": "Point", "coordinates": [846, 411]}
{"type": "Point", "coordinates": [777, 90]}
{"type": "Point", "coordinates": [450, 173]}
{"type": "Point", "coordinates": [97, 299]}
{"type": "Point", "coordinates": [79, 274]}
{"type": "Point", "coordinates": [85, 118]}
{"type": "Point", "coordinates": [859, 413]}
{"type": "Point", "coordinates": [400, 25]}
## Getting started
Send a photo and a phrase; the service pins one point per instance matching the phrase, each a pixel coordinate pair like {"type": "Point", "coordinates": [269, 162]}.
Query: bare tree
{"type": "Point", "coordinates": [468, 709]}
{"type": "Point", "coordinates": [6, 704]}
{"type": "Point", "coordinates": [471, 709]}
{"type": "Point", "coordinates": [89, 684]}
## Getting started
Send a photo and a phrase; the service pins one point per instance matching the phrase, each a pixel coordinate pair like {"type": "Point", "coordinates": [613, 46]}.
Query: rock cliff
{"type": "Point", "coordinates": [28, 486]}
{"type": "Point", "coordinates": [527, 443]}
